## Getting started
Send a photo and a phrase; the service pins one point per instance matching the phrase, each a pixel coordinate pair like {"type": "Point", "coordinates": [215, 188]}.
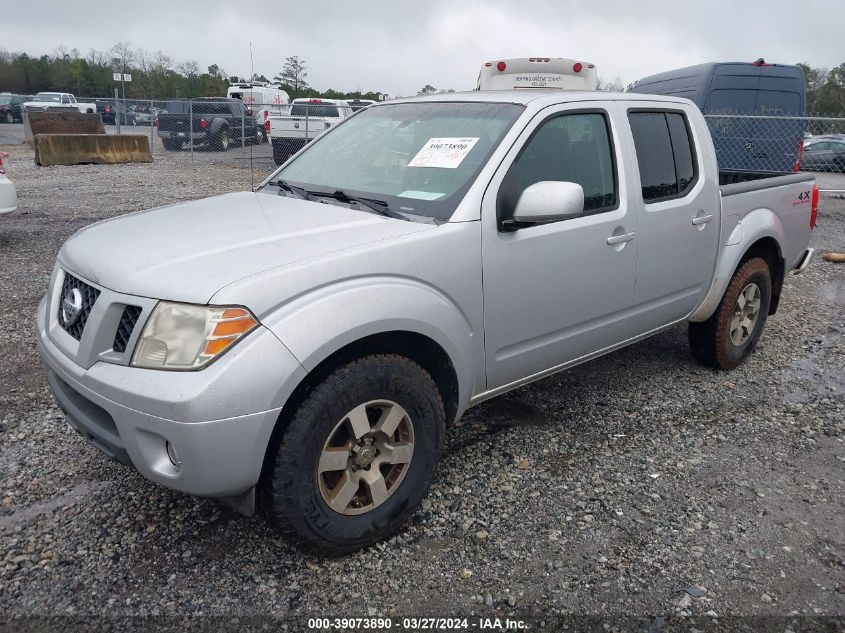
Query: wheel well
{"type": "Point", "coordinates": [416, 347]}
{"type": "Point", "coordinates": [767, 249]}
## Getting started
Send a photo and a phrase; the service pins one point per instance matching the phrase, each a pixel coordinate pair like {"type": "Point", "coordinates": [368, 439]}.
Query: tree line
{"type": "Point", "coordinates": [155, 75]}
{"type": "Point", "coordinates": [825, 89]}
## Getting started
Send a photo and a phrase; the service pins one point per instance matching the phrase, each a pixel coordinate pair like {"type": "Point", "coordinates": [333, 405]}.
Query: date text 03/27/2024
{"type": "Point", "coordinates": [416, 624]}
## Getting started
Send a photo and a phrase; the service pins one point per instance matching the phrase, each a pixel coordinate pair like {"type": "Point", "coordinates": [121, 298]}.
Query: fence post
{"type": "Point", "coordinates": [191, 127]}
{"type": "Point", "coordinates": [152, 125]}
{"type": "Point", "coordinates": [116, 112]}
{"type": "Point", "coordinates": [307, 112]}
{"type": "Point", "coordinates": [243, 124]}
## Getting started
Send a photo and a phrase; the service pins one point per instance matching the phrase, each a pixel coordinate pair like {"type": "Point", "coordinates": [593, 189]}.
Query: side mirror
{"type": "Point", "coordinates": [549, 201]}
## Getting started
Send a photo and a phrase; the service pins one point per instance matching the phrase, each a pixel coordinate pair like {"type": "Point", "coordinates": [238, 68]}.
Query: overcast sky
{"type": "Point", "coordinates": [397, 47]}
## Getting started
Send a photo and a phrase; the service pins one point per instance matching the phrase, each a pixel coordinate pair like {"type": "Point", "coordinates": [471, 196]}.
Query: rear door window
{"type": "Point", "coordinates": [664, 153]}
{"type": "Point", "coordinates": [817, 147]}
{"type": "Point", "coordinates": [731, 102]}
{"type": "Point", "coordinates": [777, 102]}
{"type": "Point", "coordinates": [654, 154]}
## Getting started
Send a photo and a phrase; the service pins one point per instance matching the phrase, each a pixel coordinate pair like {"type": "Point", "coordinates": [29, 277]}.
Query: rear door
{"type": "Point", "coordinates": [556, 292]}
{"type": "Point", "coordinates": [678, 214]}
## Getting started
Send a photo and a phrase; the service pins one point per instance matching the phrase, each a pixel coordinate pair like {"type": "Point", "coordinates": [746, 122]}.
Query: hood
{"type": "Point", "coordinates": [187, 252]}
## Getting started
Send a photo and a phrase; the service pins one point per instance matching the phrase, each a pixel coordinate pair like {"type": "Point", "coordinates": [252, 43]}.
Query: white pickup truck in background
{"type": "Point", "coordinates": [57, 101]}
{"type": "Point", "coordinates": [303, 122]}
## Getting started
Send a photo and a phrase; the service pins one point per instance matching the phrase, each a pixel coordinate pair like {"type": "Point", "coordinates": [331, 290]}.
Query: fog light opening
{"type": "Point", "coordinates": [173, 455]}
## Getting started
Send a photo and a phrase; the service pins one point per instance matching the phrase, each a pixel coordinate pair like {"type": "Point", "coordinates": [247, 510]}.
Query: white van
{"type": "Point", "coordinates": [548, 73]}
{"type": "Point", "coordinates": [262, 98]}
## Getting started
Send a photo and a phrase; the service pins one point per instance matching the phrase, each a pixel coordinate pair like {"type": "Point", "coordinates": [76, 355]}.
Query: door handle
{"type": "Point", "coordinates": [701, 219]}
{"type": "Point", "coordinates": [618, 239]}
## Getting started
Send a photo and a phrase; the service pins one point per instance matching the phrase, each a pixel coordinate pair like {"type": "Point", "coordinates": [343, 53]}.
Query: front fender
{"type": "Point", "coordinates": [756, 225]}
{"type": "Point", "coordinates": [318, 323]}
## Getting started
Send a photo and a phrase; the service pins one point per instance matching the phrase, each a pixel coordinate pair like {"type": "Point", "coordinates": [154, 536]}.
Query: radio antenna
{"type": "Point", "coordinates": [251, 77]}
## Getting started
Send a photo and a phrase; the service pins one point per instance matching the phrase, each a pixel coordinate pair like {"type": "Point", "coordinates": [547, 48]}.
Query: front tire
{"type": "Point", "coordinates": [9, 117]}
{"type": "Point", "coordinates": [726, 339]}
{"type": "Point", "coordinates": [357, 457]}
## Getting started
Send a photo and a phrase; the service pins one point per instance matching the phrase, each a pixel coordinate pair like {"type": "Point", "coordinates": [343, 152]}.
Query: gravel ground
{"type": "Point", "coordinates": [640, 485]}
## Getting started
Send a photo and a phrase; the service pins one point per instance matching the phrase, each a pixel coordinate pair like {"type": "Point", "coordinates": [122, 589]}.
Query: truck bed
{"type": "Point", "coordinates": [731, 177]}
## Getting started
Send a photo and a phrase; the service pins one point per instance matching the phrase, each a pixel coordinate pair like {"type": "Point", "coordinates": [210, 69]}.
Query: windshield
{"type": "Point", "coordinates": [419, 158]}
{"type": "Point", "coordinates": [48, 97]}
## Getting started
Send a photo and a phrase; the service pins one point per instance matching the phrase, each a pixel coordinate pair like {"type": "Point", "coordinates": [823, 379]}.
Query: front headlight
{"type": "Point", "coordinates": [183, 336]}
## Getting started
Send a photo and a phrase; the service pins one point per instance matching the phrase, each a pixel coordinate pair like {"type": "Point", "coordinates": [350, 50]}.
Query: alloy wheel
{"type": "Point", "coordinates": [366, 457]}
{"type": "Point", "coordinates": [745, 314]}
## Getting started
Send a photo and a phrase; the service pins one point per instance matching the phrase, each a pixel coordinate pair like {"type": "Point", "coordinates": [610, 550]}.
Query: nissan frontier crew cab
{"type": "Point", "coordinates": [305, 346]}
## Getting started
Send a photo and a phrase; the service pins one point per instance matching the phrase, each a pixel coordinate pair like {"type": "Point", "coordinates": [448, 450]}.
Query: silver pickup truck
{"type": "Point", "coordinates": [306, 345]}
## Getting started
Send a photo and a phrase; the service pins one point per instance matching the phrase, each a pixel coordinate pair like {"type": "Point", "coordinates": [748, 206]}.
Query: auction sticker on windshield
{"type": "Point", "coordinates": [446, 153]}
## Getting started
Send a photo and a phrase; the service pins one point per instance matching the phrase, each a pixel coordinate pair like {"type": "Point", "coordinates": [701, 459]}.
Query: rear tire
{"type": "Point", "coordinates": [726, 339]}
{"type": "Point", "coordinates": [222, 140]}
{"type": "Point", "coordinates": [170, 145]}
{"type": "Point", "coordinates": [333, 485]}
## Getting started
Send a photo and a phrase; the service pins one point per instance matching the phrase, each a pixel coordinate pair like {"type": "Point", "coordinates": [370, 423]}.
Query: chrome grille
{"type": "Point", "coordinates": [128, 320]}
{"type": "Point", "coordinates": [89, 297]}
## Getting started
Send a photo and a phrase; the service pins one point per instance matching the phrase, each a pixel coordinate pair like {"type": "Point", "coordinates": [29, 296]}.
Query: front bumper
{"type": "Point", "coordinates": [218, 419]}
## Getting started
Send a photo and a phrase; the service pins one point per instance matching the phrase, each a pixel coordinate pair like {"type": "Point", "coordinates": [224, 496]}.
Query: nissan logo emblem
{"type": "Point", "coordinates": [71, 306]}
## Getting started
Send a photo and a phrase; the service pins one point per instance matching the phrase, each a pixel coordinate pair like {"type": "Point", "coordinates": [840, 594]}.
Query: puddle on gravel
{"type": "Point", "coordinates": [494, 417]}
{"type": "Point", "coordinates": [809, 375]}
{"type": "Point", "coordinates": [834, 292]}
{"type": "Point", "coordinates": [24, 515]}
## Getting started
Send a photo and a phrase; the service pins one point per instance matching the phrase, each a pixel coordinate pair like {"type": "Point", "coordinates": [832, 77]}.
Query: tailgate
{"type": "Point", "coordinates": [296, 127]}
{"type": "Point", "coordinates": [173, 123]}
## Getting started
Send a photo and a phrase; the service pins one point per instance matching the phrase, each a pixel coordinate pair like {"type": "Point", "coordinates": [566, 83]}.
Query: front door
{"type": "Point", "coordinates": [556, 292]}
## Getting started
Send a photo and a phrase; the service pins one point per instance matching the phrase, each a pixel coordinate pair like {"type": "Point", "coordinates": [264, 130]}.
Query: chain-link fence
{"type": "Point", "coordinates": [781, 144]}
{"type": "Point", "coordinates": [256, 137]}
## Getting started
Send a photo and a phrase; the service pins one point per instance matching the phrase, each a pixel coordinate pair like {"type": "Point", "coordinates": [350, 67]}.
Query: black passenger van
{"type": "Point", "coordinates": [773, 93]}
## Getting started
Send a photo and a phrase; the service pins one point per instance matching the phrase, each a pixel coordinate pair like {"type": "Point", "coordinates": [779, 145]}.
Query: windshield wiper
{"type": "Point", "coordinates": [379, 206]}
{"type": "Point", "coordinates": [284, 185]}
